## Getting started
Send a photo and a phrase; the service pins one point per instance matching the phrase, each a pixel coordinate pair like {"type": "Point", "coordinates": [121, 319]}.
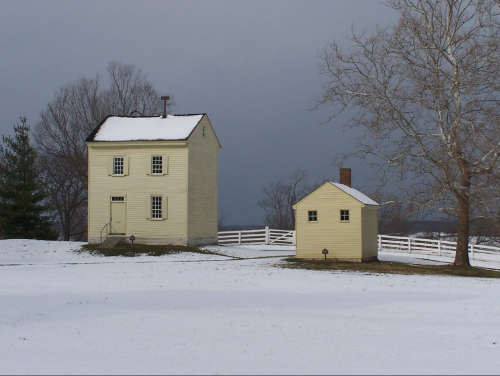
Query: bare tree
{"type": "Point", "coordinates": [393, 215]}
{"type": "Point", "coordinates": [75, 111]}
{"type": "Point", "coordinates": [67, 195]}
{"type": "Point", "coordinates": [130, 92]}
{"type": "Point", "coordinates": [279, 198]}
{"type": "Point", "coordinates": [426, 91]}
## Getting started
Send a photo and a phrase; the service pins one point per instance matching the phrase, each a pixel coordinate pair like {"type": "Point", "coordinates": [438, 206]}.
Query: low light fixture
{"type": "Point", "coordinates": [325, 252]}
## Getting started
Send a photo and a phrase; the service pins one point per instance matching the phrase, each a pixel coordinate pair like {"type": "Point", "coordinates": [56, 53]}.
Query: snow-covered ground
{"type": "Point", "coordinates": [68, 313]}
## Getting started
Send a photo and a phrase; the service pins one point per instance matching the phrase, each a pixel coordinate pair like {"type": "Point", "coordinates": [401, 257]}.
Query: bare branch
{"type": "Point", "coordinates": [427, 92]}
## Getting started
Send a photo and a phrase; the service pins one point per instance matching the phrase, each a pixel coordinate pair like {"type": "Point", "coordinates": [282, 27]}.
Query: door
{"type": "Point", "coordinates": [117, 219]}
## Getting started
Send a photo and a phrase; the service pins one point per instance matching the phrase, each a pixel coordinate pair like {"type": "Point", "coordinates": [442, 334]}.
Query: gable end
{"type": "Point", "coordinates": [91, 136]}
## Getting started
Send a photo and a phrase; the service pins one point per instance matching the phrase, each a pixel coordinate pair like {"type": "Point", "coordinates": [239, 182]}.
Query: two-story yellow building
{"type": "Point", "coordinates": [154, 178]}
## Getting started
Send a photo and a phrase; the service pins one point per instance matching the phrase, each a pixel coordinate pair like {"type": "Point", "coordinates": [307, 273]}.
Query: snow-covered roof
{"type": "Point", "coordinates": [118, 128]}
{"type": "Point", "coordinates": [355, 194]}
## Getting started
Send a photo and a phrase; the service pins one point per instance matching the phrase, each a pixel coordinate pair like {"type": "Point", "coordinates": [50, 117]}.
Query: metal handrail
{"type": "Point", "coordinates": [106, 225]}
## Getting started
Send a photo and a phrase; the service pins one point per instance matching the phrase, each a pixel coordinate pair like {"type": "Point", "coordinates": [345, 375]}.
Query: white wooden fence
{"type": "Point", "coordinates": [435, 247]}
{"type": "Point", "coordinates": [386, 243]}
{"type": "Point", "coordinates": [260, 236]}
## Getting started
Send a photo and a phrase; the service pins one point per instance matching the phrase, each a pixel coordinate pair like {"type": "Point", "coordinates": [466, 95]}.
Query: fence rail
{"type": "Point", "coordinates": [386, 243]}
{"type": "Point", "coordinates": [260, 236]}
{"type": "Point", "coordinates": [435, 247]}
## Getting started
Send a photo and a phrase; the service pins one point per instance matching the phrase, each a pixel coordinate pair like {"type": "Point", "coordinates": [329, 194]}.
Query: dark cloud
{"type": "Point", "coordinates": [251, 65]}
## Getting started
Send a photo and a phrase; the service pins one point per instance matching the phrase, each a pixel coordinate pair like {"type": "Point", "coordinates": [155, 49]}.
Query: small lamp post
{"type": "Point", "coordinates": [325, 252]}
{"type": "Point", "coordinates": [132, 238]}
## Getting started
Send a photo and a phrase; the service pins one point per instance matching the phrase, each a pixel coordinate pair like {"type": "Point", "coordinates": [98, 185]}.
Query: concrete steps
{"type": "Point", "coordinates": [112, 242]}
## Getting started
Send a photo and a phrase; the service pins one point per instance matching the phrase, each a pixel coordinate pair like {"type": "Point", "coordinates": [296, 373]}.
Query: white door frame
{"type": "Point", "coordinates": [117, 227]}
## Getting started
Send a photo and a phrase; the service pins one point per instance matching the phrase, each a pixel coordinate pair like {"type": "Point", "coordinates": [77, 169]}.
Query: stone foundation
{"type": "Point", "coordinates": [364, 259]}
{"type": "Point", "coordinates": [194, 242]}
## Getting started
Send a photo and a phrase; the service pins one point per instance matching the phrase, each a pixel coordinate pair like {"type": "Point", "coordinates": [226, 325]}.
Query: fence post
{"type": "Point", "coordinates": [409, 245]}
{"type": "Point", "coordinates": [294, 237]}
{"type": "Point", "coordinates": [472, 251]}
{"type": "Point", "coordinates": [379, 243]}
{"type": "Point", "coordinates": [268, 236]}
{"type": "Point", "coordinates": [439, 247]}
{"type": "Point", "coordinates": [239, 237]}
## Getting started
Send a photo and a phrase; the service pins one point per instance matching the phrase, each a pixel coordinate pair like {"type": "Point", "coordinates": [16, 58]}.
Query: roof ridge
{"type": "Point", "coordinates": [150, 116]}
{"type": "Point", "coordinates": [360, 199]}
{"type": "Point", "coordinates": [146, 128]}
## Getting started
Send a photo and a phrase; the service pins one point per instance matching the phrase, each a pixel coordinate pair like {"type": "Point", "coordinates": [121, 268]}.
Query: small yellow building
{"type": "Point", "coordinates": [154, 178]}
{"type": "Point", "coordinates": [337, 218]}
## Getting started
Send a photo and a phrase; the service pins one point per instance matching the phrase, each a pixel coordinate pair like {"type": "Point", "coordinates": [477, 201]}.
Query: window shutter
{"type": "Point", "coordinates": [165, 164]}
{"type": "Point", "coordinates": [148, 164]}
{"type": "Point", "coordinates": [110, 165]}
{"type": "Point", "coordinates": [148, 208]}
{"type": "Point", "coordinates": [126, 163]}
{"type": "Point", "coordinates": [164, 211]}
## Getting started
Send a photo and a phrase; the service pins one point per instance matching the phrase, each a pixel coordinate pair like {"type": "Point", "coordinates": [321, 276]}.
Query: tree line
{"type": "Point", "coordinates": [425, 91]}
{"type": "Point", "coordinates": [50, 174]}
{"type": "Point", "coordinates": [396, 216]}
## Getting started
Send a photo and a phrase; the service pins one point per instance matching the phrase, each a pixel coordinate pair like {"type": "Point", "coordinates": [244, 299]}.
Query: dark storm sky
{"type": "Point", "coordinates": [252, 66]}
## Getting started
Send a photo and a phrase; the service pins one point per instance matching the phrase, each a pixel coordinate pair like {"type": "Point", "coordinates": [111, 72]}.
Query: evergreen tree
{"type": "Point", "coordinates": [21, 194]}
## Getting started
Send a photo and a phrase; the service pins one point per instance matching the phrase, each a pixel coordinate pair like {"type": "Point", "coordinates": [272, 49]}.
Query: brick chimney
{"type": "Point", "coordinates": [345, 176]}
{"type": "Point", "coordinates": [165, 98]}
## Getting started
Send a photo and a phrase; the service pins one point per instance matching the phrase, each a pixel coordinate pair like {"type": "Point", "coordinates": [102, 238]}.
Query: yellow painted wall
{"type": "Point", "coordinates": [344, 240]}
{"type": "Point", "coordinates": [370, 231]}
{"type": "Point", "coordinates": [137, 187]}
{"type": "Point", "coordinates": [202, 186]}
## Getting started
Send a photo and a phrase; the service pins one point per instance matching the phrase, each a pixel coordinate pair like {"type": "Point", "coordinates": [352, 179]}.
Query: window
{"type": "Point", "coordinates": [117, 165]}
{"type": "Point", "coordinates": [344, 216]}
{"type": "Point", "coordinates": [313, 216]}
{"type": "Point", "coordinates": [118, 199]}
{"type": "Point", "coordinates": [204, 131]}
{"type": "Point", "coordinates": [157, 164]}
{"type": "Point", "coordinates": [156, 207]}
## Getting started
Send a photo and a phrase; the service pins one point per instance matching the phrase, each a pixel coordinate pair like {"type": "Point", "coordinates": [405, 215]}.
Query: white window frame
{"type": "Point", "coordinates": [115, 165]}
{"type": "Point", "coordinates": [312, 216]}
{"type": "Point", "coordinates": [345, 215]}
{"type": "Point", "coordinates": [117, 198]}
{"type": "Point", "coordinates": [157, 168]}
{"type": "Point", "coordinates": [149, 168]}
{"type": "Point", "coordinates": [156, 213]}
{"type": "Point", "coordinates": [153, 213]}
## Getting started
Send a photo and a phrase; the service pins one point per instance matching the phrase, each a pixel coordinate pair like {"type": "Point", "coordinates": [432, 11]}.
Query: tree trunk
{"type": "Point", "coordinates": [67, 229]}
{"type": "Point", "coordinates": [462, 250]}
